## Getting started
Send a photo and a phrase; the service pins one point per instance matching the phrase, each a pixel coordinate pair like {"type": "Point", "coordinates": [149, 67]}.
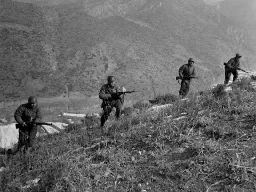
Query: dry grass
{"type": "Point", "coordinates": [212, 149]}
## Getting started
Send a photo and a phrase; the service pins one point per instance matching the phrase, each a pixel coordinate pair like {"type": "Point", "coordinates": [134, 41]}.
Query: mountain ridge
{"type": "Point", "coordinates": [80, 43]}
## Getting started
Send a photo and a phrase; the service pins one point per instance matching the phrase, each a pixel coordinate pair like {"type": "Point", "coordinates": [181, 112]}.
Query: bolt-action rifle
{"type": "Point", "coordinates": [125, 92]}
{"type": "Point", "coordinates": [29, 124]}
{"type": "Point", "coordinates": [190, 77]}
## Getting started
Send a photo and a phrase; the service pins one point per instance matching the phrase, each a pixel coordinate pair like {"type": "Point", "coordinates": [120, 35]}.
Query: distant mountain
{"type": "Point", "coordinates": [59, 45]}
{"type": "Point", "coordinates": [243, 12]}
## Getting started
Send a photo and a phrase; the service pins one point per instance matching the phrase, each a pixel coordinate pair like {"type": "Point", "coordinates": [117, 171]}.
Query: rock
{"type": "Point", "coordinates": [9, 134]}
{"type": "Point", "coordinates": [31, 183]}
{"type": "Point", "coordinates": [180, 118]}
{"type": "Point", "coordinates": [204, 121]}
{"type": "Point", "coordinates": [157, 108]}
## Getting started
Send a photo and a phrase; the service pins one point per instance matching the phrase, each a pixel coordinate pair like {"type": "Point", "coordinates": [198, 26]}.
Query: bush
{"type": "Point", "coordinates": [219, 91]}
{"type": "Point", "coordinates": [141, 105]}
{"type": "Point", "coordinates": [253, 77]}
{"type": "Point", "coordinates": [165, 99]}
{"type": "Point", "coordinates": [243, 84]}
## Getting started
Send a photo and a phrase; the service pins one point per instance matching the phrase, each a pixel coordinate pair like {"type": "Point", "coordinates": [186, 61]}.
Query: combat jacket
{"type": "Point", "coordinates": [186, 71]}
{"type": "Point", "coordinates": [107, 94]}
{"type": "Point", "coordinates": [233, 63]}
{"type": "Point", "coordinates": [26, 114]}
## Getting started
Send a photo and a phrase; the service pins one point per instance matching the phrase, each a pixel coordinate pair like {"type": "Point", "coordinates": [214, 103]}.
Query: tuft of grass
{"type": "Point", "coordinates": [165, 99]}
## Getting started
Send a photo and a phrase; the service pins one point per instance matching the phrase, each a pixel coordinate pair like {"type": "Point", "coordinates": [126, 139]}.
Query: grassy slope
{"type": "Point", "coordinates": [212, 149]}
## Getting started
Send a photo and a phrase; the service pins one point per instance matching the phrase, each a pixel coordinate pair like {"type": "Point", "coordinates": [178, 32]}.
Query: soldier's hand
{"type": "Point", "coordinates": [115, 95]}
{"type": "Point", "coordinates": [24, 124]}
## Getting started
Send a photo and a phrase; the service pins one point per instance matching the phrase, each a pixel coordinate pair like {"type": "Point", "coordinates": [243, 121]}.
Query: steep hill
{"type": "Point", "coordinates": [75, 45]}
{"type": "Point", "coordinates": [203, 144]}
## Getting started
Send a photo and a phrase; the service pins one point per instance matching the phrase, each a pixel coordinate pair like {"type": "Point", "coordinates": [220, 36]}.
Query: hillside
{"type": "Point", "coordinates": [73, 46]}
{"type": "Point", "coordinates": [204, 143]}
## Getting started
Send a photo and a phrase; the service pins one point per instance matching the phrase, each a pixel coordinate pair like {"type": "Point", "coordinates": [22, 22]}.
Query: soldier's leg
{"type": "Point", "coordinates": [32, 135]}
{"type": "Point", "coordinates": [118, 106]}
{"type": "Point", "coordinates": [227, 76]}
{"type": "Point", "coordinates": [23, 138]}
{"type": "Point", "coordinates": [182, 89]}
{"type": "Point", "coordinates": [106, 112]}
{"type": "Point", "coordinates": [186, 88]}
{"type": "Point", "coordinates": [235, 75]}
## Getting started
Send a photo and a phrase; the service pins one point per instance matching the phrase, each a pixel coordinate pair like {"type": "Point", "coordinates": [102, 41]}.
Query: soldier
{"type": "Point", "coordinates": [26, 116]}
{"type": "Point", "coordinates": [231, 68]}
{"type": "Point", "coordinates": [186, 72]}
{"type": "Point", "coordinates": [110, 98]}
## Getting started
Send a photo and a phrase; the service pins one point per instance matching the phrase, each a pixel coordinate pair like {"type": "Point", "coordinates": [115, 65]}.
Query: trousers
{"type": "Point", "coordinates": [184, 88]}
{"type": "Point", "coordinates": [228, 73]}
{"type": "Point", "coordinates": [27, 136]}
{"type": "Point", "coordinates": [107, 108]}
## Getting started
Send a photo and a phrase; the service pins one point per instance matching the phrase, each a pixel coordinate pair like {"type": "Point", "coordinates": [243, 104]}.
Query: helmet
{"type": "Point", "coordinates": [191, 60]}
{"type": "Point", "coordinates": [32, 100]}
{"type": "Point", "coordinates": [238, 55]}
{"type": "Point", "coordinates": [111, 79]}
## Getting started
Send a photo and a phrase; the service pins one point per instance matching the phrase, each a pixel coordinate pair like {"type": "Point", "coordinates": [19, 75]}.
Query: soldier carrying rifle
{"type": "Point", "coordinates": [111, 97]}
{"type": "Point", "coordinates": [231, 67]}
{"type": "Point", "coordinates": [186, 73]}
{"type": "Point", "coordinates": [28, 116]}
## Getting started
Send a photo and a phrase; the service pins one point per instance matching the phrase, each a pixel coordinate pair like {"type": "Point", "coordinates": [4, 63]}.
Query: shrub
{"type": "Point", "coordinates": [253, 77]}
{"type": "Point", "coordinates": [243, 84]}
{"type": "Point", "coordinates": [219, 91]}
{"type": "Point", "coordinates": [165, 99]}
{"type": "Point", "coordinates": [141, 105]}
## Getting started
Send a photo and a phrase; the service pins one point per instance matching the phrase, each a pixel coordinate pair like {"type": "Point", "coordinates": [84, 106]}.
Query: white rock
{"type": "Point", "coordinates": [73, 114]}
{"type": "Point", "coordinates": [9, 134]}
{"type": "Point", "coordinates": [180, 118]}
{"type": "Point", "coordinates": [159, 107]}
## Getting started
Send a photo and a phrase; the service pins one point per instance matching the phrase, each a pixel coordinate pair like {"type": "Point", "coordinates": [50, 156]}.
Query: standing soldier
{"type": "Point", "coordinates": [110, 98]}
{"type": "Point", "coordinates": [26, 116]}
{"type": "Point", "coordinates": [231, 67]}
{"type": "Point", "coordinates": [186, 73]}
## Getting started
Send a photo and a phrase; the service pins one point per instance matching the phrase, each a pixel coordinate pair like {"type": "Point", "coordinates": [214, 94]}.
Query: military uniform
{"type": "Point", "coordinates": [27, 134]}
{"type": "Point", "coordinates": [231, 68]}
{"type": "Point", "coordinates": [110, 99]}
{"type": "Point", "coordinates": [185, 71]}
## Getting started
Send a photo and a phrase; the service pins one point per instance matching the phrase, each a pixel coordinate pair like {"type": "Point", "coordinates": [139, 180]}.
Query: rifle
{"type": "Point", "coordinates": [191, 77]}
{"type": "Point", "coordinates": [124, 92]}
{"type": "Point", "coordinates": [242, 70]}
{"type": "Point", "coordinates": [29, 124]}
{"type": "Point", "coordinates": [238, 68]}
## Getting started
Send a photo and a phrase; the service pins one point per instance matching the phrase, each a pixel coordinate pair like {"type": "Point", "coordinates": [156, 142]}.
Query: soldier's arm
{"type": "Point", "coordinates": [103, 95]}
{"type": "Point", "coordinates": [238, 65]}
{"type": "Point", "coordinates": [38, 116]}
{"type": "Point", "coordinates": [18, 114]}
{"type": "Point", "coordinates": [118, 90]}
{"type": "Point", "coordinates": [181, 72]}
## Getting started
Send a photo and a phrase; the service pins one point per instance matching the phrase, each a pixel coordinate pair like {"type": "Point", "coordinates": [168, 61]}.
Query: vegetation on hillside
{"type": "Point", "coordinates": [206, 143]}
{"type": "Point", "coordinates": [47, 50]}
